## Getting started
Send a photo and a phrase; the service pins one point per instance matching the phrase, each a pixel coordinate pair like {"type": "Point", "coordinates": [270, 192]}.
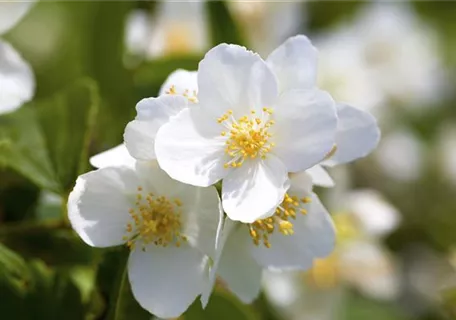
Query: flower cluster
{"type": "Point", "coordinates": [260, 127]}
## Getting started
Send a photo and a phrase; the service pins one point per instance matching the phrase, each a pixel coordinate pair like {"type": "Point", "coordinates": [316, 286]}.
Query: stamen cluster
{"type": "Point", "coordinates": [155, 220]}
{"type": "Point", "coordinates": [261, 229]}
{"type": "Point", "coordinates": [248, 137]}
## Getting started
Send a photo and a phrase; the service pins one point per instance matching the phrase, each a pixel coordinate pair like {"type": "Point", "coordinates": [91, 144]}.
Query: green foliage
{"type": "Point", "coordinates": [222, 25]}
{"type": "Point", "coordinates": [223, 306]}
{"type": "Point", "coordinates": [47, 141]}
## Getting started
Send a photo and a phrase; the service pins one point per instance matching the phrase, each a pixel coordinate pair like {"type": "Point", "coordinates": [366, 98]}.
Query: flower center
{"type": "Point", "coordinates": [191, 96]}
{"type": "Point", "coordinates": [156, 219]}
{"type": "Point", "coordinates": [324, 273]}
{"type": "Point", "coordinates": [286, 211]}
{"type": "Point", "coordinates": [247, 137]}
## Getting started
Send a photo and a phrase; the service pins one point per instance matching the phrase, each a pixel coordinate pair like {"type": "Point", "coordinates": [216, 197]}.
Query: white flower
{"type": "Point", "coordinates": [359, 260]}
{"type": "Point", "coordinates": [401, 155]}
{"type": "Point", "coordinates": [344, 72]}
{"type": "Point", "coordinates": [300, 231]}
{"type": "Point", "coordinates": [176, 28]}
{"type": "Point", "coordinates": [152, 113]}
{"type": "Point", "coordinates": [17, 82]}
{"type": "Point", "coordinates": [267, 24]}
{"type": "Point", "coordinates": [169, 227]}
{"type": "Point", "coordinates": [357, 131]}
{"type": "Point", "coordinates": [402, 53]}
{"type": "Point", "coordinates": [245, 131]}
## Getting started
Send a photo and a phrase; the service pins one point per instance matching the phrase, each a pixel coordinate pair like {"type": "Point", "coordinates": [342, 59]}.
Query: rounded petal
{"type": "Point", "coordinates": [165, 281]}
{"type": "Point", "coordinates": [294, 63]}
{"type": "Point", "coordinates": [376, 216]}
{"type": "Point", "coordinates": [203, 214]}
{"type": "Point", "coordinates": [181, 82]}
{"type": "Point", "coordinates": [314, 237]}
{"type": "Point", "coordinates": [231, 77]}
{"type": "Point", "coordinates": [357, 135]}
{"type": "Point", "coordinates": [305, 128]}
{"type": "Point", "coordinates": [12, 12]}
{"type": "Point", "coordinates": [99, 203]}
{"type": "Point", "coordinates": [255, 189]}
{"type": "Point", "coordinates": [368, 267]}
{"type": "Point", "coordinates": [320, 176]}
{"type": "Point", "coordinates": [237, 268]}
{"type": "Point", "coordinates": [114, 157]}
{"type": "Point", "coordinates": [17, 82]}
{"type": "Point", "coordinates": [152, 113]}
{"type": "Point", "coordinates": [190, 148]}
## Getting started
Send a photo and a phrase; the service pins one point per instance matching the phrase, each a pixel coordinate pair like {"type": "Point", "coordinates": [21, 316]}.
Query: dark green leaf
{"type": "Point", "coordinates": [222, 25]}
{"type": "Point", "coordinates": [67, 120]}
{"type": "Point", "coordinates": [23, 148]}
{"type": "Point", "coordinates": [114, 286]}
{"type": "Point", "coordinates": [14, 273]}
{"type": "Point", "coordinates": [222, 306]}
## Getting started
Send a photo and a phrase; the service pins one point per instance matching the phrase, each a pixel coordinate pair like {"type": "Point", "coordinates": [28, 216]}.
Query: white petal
{"type": "Point", "coordinates": [99, 203]}
{"type": "Point", "coordinates": [320, 176]}
{"type": "Point", "coordinates": [12, 12]}
{"type": "Point", "coordinates": [224, 231]}
{"type": "Point", "coordinates": [369, 267]}
{"type": "Point", "coordinates": [190, 148]}
{"type": "Point", "coordinates": [237, 268]}
{"type": "Point", "coordinates": [152, 113]}
{"type": "Point", "coordinates": [165, 281]}
{"type": "Point", "coordinates": [183, 81]}
{"type": "Point", "coordinates": [114, 157]}
{"type": "Point", "coordinates": [17, 82]}
{"type": "Point", "coordinates": [254, 190]}
{"type": "Point", "coordinates": [230, 77]}
{"type": "Point", "coordinates": [305, 128]}
{"type": "Point", "coordinates": [314, 237]}
{"type": "Point", "coordinates": [203, 214]}
{"type": "Point", "coordinates": [357, 135]}
{"type": "Point", "coordinates": [375, 214]}
{"type": "Point", "coordinates": [294, 63]}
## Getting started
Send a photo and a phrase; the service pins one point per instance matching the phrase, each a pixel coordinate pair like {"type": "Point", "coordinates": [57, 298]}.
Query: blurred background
{"type": "Point", "coordinates": [80, 67]}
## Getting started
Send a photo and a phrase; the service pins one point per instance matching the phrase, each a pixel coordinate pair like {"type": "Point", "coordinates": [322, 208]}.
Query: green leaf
{"type": "Point", "coordinates": [47, 141]}
{"type": "Point", "coordinates": [14, 273]}
{"type": "Point", "coordinates": [107, 68]}
{"type": "Point", "coordinates": [222, 306]}
{"type": "Point", "coordinates": [53, 242]}
{"type": "Point", "coordinates": [23, 148]}
{"type": "Point", "coordinates": [67, 120]}
{"type": "Point", "coordinates": [222, 25]}
{"type": "Point", "coordinates": [114, 286]}
{"type": "Point", "coordinates": [360, 308]}
{"type": "Point", "coordinates": [326, 14]}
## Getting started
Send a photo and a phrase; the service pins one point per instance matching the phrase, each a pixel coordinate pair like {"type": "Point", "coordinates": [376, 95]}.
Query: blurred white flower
{"type": "Point", "coordinates": [152, 113]}
{"type": "Point", "coordinates": [17, 83]}
{"type": "Point", "coordinates": [246, 133]}
{"type": "Point", "coordinates": [299, 232]}
{"type": "Point", "coordinates": [402, 52]}
{"type": "Point", "coordinates": [343, 72]}
{"type": "Point", "coordinates": [359, 260]}
{"type": "Point", "coordinates": [446, 143]}
{"type": "Point", "coordinates": [177, 27]}
{"type": "Point", "coordinates": [169, 227]}
{"type": "Point", "coordinates": [266, 23]}
{"type": "Point", "coordinates": [400, 155]}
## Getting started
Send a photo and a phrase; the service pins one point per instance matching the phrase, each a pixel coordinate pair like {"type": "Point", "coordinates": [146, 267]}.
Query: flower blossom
{"type": "Point", "coordinates": [248, 129]}
{"type": "Point", "coordinates": [17, 82]}
{"type": "Point", "coordinates": [169, 227]}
